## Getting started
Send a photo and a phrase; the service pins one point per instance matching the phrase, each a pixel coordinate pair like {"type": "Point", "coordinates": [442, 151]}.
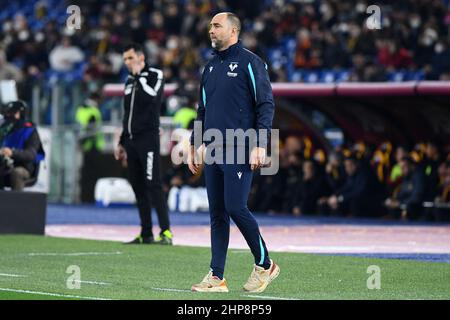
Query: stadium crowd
{"type": "Point", "coordinates": [358, 181]}
{"type": "Point", "coordinates": [291, 35]}
{"type": "Point", "coordinates": [353, 180]}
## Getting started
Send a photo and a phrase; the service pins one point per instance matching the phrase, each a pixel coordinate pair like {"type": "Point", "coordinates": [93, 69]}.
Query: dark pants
{"type": "Point", "coordinates": [15, 179]}
{"type": "Point", "coordinates": [145, 178]}
{"type": "Point", "coordinates": [228, 187]}
{"type": "Point", "coordinates": [357, 207]}
{"type": "Point", "coordinates": [413, 211]}
{"type": "Point", "coordinates": [90, 172]}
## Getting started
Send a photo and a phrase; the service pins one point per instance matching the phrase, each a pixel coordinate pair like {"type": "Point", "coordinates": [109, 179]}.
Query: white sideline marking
{"type": "Point", "coordinates": [74, 253]}
{"type": "Point", "coordinates": [12, 275]}
{"type": "Point", "coordinates": [171, 290]}
{"type": "Point", "coordinates": [246, 295]}
{"type": "Point", "coordinates": [94, 282]}
{"type": "Point", "coordinates": [51, 294]}
{"type": "Point", "coordinates": [267, 297]}
{"type": "Point", "coordinates": [80, 281]}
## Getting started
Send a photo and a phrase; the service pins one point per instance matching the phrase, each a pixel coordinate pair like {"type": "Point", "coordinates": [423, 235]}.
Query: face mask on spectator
{"type": "Point", "coordinates": [23, 35]}
{"type": "Point", "coordinates": [361, 7]}
{"type": "Point", "coordinates": [414, 23]}
{"type": "Point", "coordinates": [7, 26]}
{"type": "Point", "coordinates": [259, 26]}
{"type": "Point", "coordinates": [172, 44]}
{"type": "Point", "coordinates": [438, 48]}
{"type": "Point", "coordinates": [324, 9]}
{"type": "Point", "coordinates": [39, 37]}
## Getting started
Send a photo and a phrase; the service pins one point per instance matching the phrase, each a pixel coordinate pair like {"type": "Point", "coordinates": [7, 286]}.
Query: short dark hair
{"type": "Point", "coordinates": [234, 20]}
{"type": "Point", "coordinates": [135, 46]}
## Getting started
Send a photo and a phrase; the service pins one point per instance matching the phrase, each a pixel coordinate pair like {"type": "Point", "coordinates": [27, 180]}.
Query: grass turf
{"type": "Point", "coordinates": [142, 271]}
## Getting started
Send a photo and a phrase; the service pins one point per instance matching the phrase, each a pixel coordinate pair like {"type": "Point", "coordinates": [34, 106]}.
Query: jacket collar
{"type": "Point", "coordinates": [231, 50]}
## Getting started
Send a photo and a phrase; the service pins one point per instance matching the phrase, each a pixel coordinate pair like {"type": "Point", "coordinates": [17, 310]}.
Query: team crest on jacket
{"type": "Point", "coordinates": [232, 66]}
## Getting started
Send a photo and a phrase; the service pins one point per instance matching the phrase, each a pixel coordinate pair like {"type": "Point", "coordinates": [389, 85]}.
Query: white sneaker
{"type": "Point", "coordinates": [260, 278]}
{"type": "Point", "coordinates": [211, 283]}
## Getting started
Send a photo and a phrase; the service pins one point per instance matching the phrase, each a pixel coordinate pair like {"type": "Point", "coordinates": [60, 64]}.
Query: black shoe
{"type": "Point", "coordinates": [141, 240]}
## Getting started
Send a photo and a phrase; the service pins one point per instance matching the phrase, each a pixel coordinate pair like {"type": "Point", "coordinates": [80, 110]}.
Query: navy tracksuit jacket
{"type": "Point", "coordinates": [235, 93]}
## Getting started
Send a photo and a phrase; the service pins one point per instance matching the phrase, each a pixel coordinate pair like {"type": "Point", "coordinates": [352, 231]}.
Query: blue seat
{"type": "Point", "coordinates": [276, 58]}
{"type": "Point", "coordinates": [396, 76]}
{"type": "Point", "coordinates": [342, 75]}
{"type": "Point", "coordinates": [296, 76]}
{"type": "Point", "coordinates": [415, 75]}
{"type": "Point", "coordinates": [311, 76]}
{"type": "Point", "coordinates": [327, 76]}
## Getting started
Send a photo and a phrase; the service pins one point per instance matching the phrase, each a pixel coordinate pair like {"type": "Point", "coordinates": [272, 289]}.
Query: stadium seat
{"type": "Point", "coordinates": [113, 192]}
{"type": "Point", "coordinates": [396, 76]}
{"type": "Point", "coordinates": [327, 76]}
{"type": "Point", "coordinates": [311, 76]}
{"type": "Point", "coordinates": [342, 75]}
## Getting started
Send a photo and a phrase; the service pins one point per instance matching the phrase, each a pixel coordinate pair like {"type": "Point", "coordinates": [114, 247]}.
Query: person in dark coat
{"type": "Point", "coordinates": [312, 187]}
{"type": "Point", "coordinates": [407, 202]}
{"type": "Point", "coordinates": [359, 196]}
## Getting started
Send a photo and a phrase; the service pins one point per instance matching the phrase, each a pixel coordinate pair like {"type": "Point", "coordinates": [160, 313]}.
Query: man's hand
{"type": "Point", "coordinates": [322, 201]}
{"type": "Point", "coordinates": [333, 202]}
{"type": "Point", "coordinates": [257, 158]}
{"type": "Point", "coordinates": [7, 152]}
{"type": "Point", "coordinates": [192, 160]}
{"type": "Point", "coordinates": [392, 203]}
{"type": "Point", "coordinates": [137, 68]}
{"type": "Point", "coordinates": [119, 153]}
{"type": "Point", "coordinates": [296, 211]}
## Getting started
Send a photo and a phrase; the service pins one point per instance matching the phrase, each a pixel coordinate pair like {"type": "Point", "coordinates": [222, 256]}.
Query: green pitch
{"type": "Point", "coordinates": [33, 267]}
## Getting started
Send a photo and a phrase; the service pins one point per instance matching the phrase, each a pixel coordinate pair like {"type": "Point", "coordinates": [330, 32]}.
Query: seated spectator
{"type": "Point", "coordinates": [175, 176]}
{"type": "Point", "coordinates": [311, 188]}
{"type": "Point", "coordinates": [21, 148]}
{"type": "Point", "coordinates": [359, 196]}
{"type": "Point", "coordinates": [430, 167]}
{"type": "Point", "coordinates": [267, 192]}
{"type": "Point", "coordinates": [395, 175]}
{"type": "Point", "coordinates": [65, 55]}
{"type": "Point", "coordinates": [381, 161]}
{"type": "Point", "coordinates": [292, 180]}
{"type": "Point", "coordinates": [334, 172]}
{"type": "Point", "coordinates": [8, 71]}
{"type": "Point", "coordinates": [441, 211]}
{"type": "Point", "coordinates": [407, 201]}
{"type": "Point", "coordinates": [292, 144]}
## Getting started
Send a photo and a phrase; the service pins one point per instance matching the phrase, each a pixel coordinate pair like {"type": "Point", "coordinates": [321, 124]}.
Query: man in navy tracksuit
{"type": "Point", "coordinates": [235, 94]}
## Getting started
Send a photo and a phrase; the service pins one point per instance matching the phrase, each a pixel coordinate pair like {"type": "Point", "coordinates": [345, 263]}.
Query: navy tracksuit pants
{"type": "Point", "coordinates": [228, 187]}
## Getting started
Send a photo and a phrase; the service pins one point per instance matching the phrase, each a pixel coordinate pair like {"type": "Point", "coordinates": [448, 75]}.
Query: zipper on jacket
{"type": "Point", "coordinates": [130, 117]}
